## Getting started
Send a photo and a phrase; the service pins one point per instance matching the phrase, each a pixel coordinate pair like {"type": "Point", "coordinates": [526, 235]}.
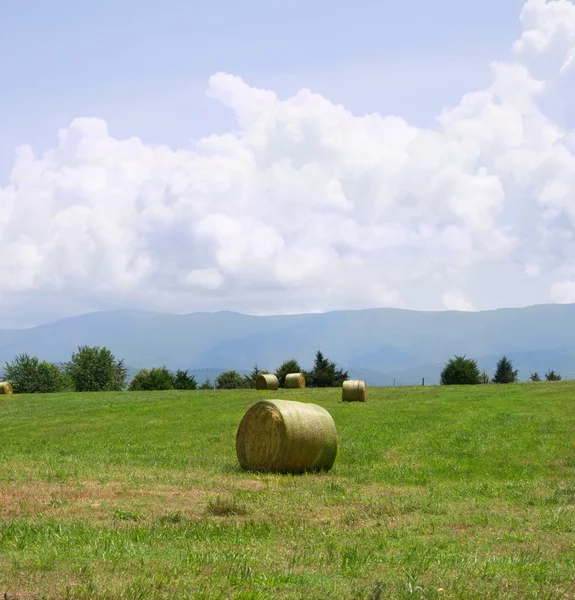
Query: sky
{"type": "Point", "coordinates": [278, 158]}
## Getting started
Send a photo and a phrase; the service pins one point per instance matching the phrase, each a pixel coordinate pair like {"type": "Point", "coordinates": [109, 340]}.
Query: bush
{"type": "Point", "coordinates": [207, 385]}
{"type": "Point", "coordinates": [157, 378]}
{"type": "Point", "coordinates": [504, 372]}
{"type": "Point", "coordinates": [552, 376]}
{"type": "Point", "coordinates": [230, 380]}
{"type": "Point", "coordinates": [289, 366]}
{"type": "Point", "coordinates": [95, 369]}
{"type": "Point", "coordinates": [28, 375]}
{"type": "Point", "coordinates": [460, 371]}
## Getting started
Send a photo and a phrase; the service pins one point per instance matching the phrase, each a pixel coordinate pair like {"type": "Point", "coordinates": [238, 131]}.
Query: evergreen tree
{"type": "Point", "coordinates": [484, 377]}
{"type": "Point", "coordinates": [460, 371]}
{"type": "Point", "coordinates": [535, 377]}
{"type": "Point", "coordinates": [325, 373]}
{"type": "Point", "coordinates": [183, 381]}
{"type": "Point", "coordinates": [250, 380]}
{"type": "Point", "coordinates": [552, 376]}
{"type": "Point", "coordinates": [504, 372]}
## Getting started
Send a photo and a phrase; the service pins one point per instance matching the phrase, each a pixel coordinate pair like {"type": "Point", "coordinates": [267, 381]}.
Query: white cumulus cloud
{"type": "Point", "coordinates": [307, 206]}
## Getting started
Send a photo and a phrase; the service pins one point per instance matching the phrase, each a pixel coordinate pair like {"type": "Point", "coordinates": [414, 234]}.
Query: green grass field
{"type": "Point", "coordinates": [462, 492]}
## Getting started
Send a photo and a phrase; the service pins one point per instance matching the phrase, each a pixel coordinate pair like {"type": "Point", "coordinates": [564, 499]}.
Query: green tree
{"type": "Point", "coordinates": [289, 366]}
{"type": "Point", "coordinates": [230, 380]}
{"type": "Point", "coordinates": [325, 373]}
{"type": "Point", "coordinates": [52, 379]}
{"type": "Point", "coordinates": [95, 369]}
{"type": "Point", "coordinates": [460, 371]}
{"type": "Point", "coordinates": [30, 376]}
{"type": "Point", "coordinates": [183, 381]}
{"type": "Point", "coordinates": [22, 373]}
{"type": "Point", "coordinates": [250, 379]}
{"type": "Point", "coordinates": [207, 385]}
{"type": "Point", "coordinates": [504, 372]}
{"type": "Point", "coordinates": [157, 378]}
{"type": "Point", "coordinates": [552, 376]}
{"type": "Point", "coordinates": [535, 377]}
{"type": "Point", "coordinates": [484, 377]}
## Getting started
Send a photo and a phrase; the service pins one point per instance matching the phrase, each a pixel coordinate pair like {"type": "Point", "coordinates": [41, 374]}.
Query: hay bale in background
{"type": "Point", "coordinates": [284, 436]}
{"type": "Point", "coordinates": [295, 380]}
{"type": "Point", "coordinates": [354, 391]}
{"type": "Point", "coordinates": [267, 381]}
{"type": "Point", "coordinates": [6, 388]}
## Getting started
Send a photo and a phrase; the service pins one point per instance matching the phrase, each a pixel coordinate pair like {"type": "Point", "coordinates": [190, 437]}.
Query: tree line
{"type": "Point", "coordinates": [324, 373]}
{"type": "Point", "coordinates": [96, 369]}
{"type": "Point", "coordinates": [464, 371]}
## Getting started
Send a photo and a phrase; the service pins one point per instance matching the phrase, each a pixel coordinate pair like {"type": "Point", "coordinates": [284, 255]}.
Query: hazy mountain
{"type": "Point", "coordinates": [376, 344]}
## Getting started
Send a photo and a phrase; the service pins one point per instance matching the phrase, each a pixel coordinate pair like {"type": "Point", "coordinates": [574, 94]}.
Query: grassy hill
{"type": "Point", "coordinates": [461, 492]}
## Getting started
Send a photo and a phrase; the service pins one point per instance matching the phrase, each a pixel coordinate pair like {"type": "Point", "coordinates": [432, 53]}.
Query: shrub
{"type": "Point", "coordinates": [157, 378]}
{"type": "Point", "coordinates": [207, 385]}
{"type": "Point", "coordinates": [230, 380]}
{"type": "Point", "coordinates": [460, 371]}
{"type": "Point", "coordinates": [504, 372]}
{"type": "Point", "coordinates": [552, 376]}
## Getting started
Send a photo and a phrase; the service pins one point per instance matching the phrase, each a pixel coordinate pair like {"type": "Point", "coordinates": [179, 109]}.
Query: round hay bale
{"type": "Point", "coordinates": [6, 388]}
{"type": "Point", "coordinates": [284, 436]}
{"type": "Point", "coordinates": [295, 380]}
{"type": "Point", "coordinates": [354, 391]}
{"type": "Point", "coordinates": [267, 381]}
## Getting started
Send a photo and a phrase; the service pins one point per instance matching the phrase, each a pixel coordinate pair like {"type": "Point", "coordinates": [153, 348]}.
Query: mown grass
{"type": "Point", "coordinates": [462, 492]}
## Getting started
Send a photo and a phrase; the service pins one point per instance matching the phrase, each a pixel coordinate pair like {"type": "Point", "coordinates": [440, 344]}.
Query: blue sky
{"type": "Point", "coordinates": [285, 157]}
{"type": "Point", "coordinates": [144, 66]}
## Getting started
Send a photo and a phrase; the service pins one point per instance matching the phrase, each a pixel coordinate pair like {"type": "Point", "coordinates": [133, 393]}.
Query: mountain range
{"type": "Point", "coordinates": [383, 346]}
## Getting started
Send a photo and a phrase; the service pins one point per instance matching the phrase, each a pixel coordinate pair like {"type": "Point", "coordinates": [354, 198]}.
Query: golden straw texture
{"type": "Point", "coordinates": [295, 380]}
{"type": "Point", "coordinates": [5, 388]}
{"type": "Point", "coordinates": [267, 381]}
{"type": "Point", "coordinates": [284, 436]}
{"type": "Point", "coordinates": [354, 391]}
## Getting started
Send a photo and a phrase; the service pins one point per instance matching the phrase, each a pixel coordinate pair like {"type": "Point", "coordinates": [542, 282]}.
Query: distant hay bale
{"type": "Point", "coordinates": [354, 391]}
{"type": "Point", "coordinates": [6, 388]}
{"type": "Point", "coordinates": [284, 436]}
{"type": "Point", "coordinates": [295, 380]}
{"type": "Point", "coordinates": [267, 381]}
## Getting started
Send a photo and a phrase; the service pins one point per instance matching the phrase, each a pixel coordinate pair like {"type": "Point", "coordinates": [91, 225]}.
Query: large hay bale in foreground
{"type": "Point", "coordinates": [5, 388]}
{"type": "Point", "coordinates": [267, 381]}
{"type": "Point", "coordinates": [284, 436]}
{"type": "Point", "coordinates": [295, 380]}
{"type": "Point", "coordinates": [354, 391]}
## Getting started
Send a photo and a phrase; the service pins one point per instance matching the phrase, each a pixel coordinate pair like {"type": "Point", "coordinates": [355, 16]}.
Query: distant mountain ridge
{"type": "Point", "coordinates": [378, 345]}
